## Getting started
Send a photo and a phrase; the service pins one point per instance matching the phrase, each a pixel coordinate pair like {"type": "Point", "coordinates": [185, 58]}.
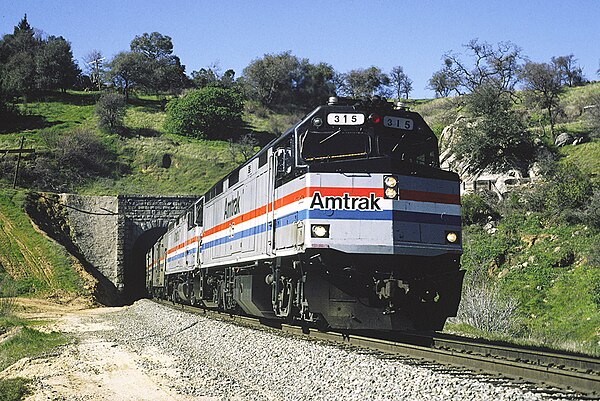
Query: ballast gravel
{"type": "Point", "coordinates": [216, 360]}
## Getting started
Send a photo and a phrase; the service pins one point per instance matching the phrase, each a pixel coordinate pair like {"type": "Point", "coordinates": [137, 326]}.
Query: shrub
{"type": "Point", "coordinates": [210, 113]}
{"type": "Point", "coordinates": [592, 212]}
{"type": "Point", "coordinates": [110, 110]}
{"type": "Point", "coordinates": [565, 192]}
{"type": "Point", "coordinates": [71, 160]}
{"type": "Point", "coordinates": [570, 189]}
{"type": "Point", "coordinates": [477, 209]}
{"type": "Point", "coordinates": [495, 137]}
{"type": "Point", "coordinates": [486, 307]}
{"type": "Point", "coordinates": [594, 115]}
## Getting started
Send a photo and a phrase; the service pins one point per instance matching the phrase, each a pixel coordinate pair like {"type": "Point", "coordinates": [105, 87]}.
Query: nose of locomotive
{"type": "Point", "coordinates": [385, 213]}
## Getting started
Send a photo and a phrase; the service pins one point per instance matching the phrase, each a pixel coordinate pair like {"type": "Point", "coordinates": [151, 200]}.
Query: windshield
{"type": "Point", "coordinates": [336, 144]}
{"type": "Point", "coordinates": [409, 147]}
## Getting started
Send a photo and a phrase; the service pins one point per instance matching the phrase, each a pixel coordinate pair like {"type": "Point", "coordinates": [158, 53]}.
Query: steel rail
{"type": "Point", "coordinates": [564, 371]}
{"type": "Point", "coordinates": [531, 355]}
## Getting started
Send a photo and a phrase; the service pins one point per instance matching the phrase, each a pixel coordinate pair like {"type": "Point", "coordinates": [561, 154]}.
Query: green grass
{"type": "Point", "coordinates": [56, 113]}
{"type": "Point", "coordinates": [586, 156]}
{"type": "Point", "coordinates": [26, 342]}
{"type": "Point", "coordinates": [549, 268]}
{"type": "Point", "coordinates": [195, 166]}
{"type": "Point", "coordinates": [573, 100]}
{"type": "Point", "coordinates": [63, 111]}
{"type": "Point", "coordinates": [260, 119]}
{"type": "Point", "coordinates": [29, 261]}
{"type": "Point", "coordinates": [8, 319]}
{"type": "Point", "coordinates": [29, 342]}
{"type": "Point", "coordinates": [14, 389]}
{"type": "Point", "coordinates": [438, 113]}
{"type": "Point", "coordinates": [144, 120]}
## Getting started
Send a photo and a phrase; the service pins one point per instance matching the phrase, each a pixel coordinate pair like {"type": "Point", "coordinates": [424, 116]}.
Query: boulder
{"type": "Point", "coordinates": [563, 139]}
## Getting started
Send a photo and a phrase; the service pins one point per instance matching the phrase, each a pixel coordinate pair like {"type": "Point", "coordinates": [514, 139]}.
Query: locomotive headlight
{"type": "Point", "coordinates": [319, 230]}
{"type": "Point", "coordinates": [390, 193]}
{"type": "Point", "coordinates": [390, 181]}
{"type": "Point", "coordinates": [452, 237]}
{"type": "Point", "coordinates": [390, 187]}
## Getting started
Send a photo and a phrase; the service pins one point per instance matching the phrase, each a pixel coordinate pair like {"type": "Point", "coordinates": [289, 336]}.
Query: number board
{"type": "Point", "coordinates": [345, 119]}
{"type": "Point", "coordinates": [398, 123]}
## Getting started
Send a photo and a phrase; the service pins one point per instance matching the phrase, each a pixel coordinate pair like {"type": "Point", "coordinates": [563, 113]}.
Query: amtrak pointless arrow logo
{"type": "Point", "coordinates": [345, 202]}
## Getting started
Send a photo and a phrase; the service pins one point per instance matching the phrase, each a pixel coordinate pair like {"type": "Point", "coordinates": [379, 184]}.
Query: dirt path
{"type": "Point", "coordinates": [93, 368]}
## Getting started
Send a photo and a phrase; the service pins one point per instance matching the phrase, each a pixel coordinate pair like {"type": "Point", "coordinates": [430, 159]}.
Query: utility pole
{"type": "Point", "coordinates": [19, 152]}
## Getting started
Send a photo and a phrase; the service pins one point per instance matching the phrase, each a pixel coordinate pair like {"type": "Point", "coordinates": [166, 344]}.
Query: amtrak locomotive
{"type": "Point", "coordinates": [346, 221]}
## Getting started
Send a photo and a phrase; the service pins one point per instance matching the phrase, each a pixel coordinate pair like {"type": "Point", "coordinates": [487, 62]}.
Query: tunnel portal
{"type": "Point", "coordinates": [114, 233]}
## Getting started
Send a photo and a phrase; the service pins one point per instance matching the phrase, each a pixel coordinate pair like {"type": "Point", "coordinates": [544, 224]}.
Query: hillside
{"type": "Point", "coordinates": [534, 274]}
{"type": "Point", "coordinates": [140, 157]}
{"type": "Point", "coordinates": [31, 263]}
{"type": "Point", "coordinates": [532, 258]}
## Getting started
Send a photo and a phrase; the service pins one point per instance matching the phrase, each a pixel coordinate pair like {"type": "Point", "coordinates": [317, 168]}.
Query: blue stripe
{"type": "Point", "coordinates": [428, 185]}
{"type": "Point", "coordinates": [429, 218]}
{"type": "Point", "coordinates": [399, 216]}
{"type": "Point", "coordinates": [350, 214]}
{"type": "Point", "coordinates": [176, 257]}
{"type": "Point", "coordinates": [236, 236]}
{"type": "Point", "coordinates": [181, 255]}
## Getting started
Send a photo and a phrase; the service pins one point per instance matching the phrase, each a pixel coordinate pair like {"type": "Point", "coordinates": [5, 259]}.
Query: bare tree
{"type": "Point", "coordinates": [401, 82]}
{"type": "Point", "coordinates": [94, 62]}
{"type": "Point", "coordinates": [485, 307]}
{"type": "Point", "coordinates": [245, 147]}
{"type": "Point", "coordinates": [542, 84]}
{"type": "Point", "coordinates": [487, 64]}
{"type": "Point", "coordinates": [570, 73]}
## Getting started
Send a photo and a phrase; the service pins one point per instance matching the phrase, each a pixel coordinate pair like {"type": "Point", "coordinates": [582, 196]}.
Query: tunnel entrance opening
{"type": "Point", "coordinates": [134, 278]}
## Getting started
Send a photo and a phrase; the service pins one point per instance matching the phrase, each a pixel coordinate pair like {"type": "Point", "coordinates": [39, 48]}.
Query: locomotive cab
{"type": "Point", "coordinates": [340, 133]}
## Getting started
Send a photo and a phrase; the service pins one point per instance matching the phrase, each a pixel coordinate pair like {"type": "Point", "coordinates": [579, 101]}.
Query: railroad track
{"type": "Point", "coordinates": [548, 368]}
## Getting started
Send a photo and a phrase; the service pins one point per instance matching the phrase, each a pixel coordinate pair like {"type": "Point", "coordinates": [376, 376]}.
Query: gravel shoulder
{"type": "Point", "coordinates": [91, 367]}
{"type": "Point", "coordinates": [150, 352]}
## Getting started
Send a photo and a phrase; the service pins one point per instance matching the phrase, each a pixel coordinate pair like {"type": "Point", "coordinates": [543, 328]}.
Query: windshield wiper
{"type": "Point", "coordinates": [331, 136]}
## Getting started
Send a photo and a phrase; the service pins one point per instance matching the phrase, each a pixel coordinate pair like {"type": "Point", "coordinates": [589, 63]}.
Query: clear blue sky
{"type": "Point", "coordinates": [346, 34]}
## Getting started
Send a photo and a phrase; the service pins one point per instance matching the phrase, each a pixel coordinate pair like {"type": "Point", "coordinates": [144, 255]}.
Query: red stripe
{"type": "Point", "coordinates": [295, 196]}
{"type": "Point", "coordinates": [339, 191]}
{"type": "Point", "coordinates": [435, 197]}
{"type": "Point", "coordinates": [308, 192]}
{"type": "Point", "coordinates": [183, 244]}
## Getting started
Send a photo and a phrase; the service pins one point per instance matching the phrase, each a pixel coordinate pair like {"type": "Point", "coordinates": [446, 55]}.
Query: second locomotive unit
{"type": "Point", "coordinates": [346, 221]}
